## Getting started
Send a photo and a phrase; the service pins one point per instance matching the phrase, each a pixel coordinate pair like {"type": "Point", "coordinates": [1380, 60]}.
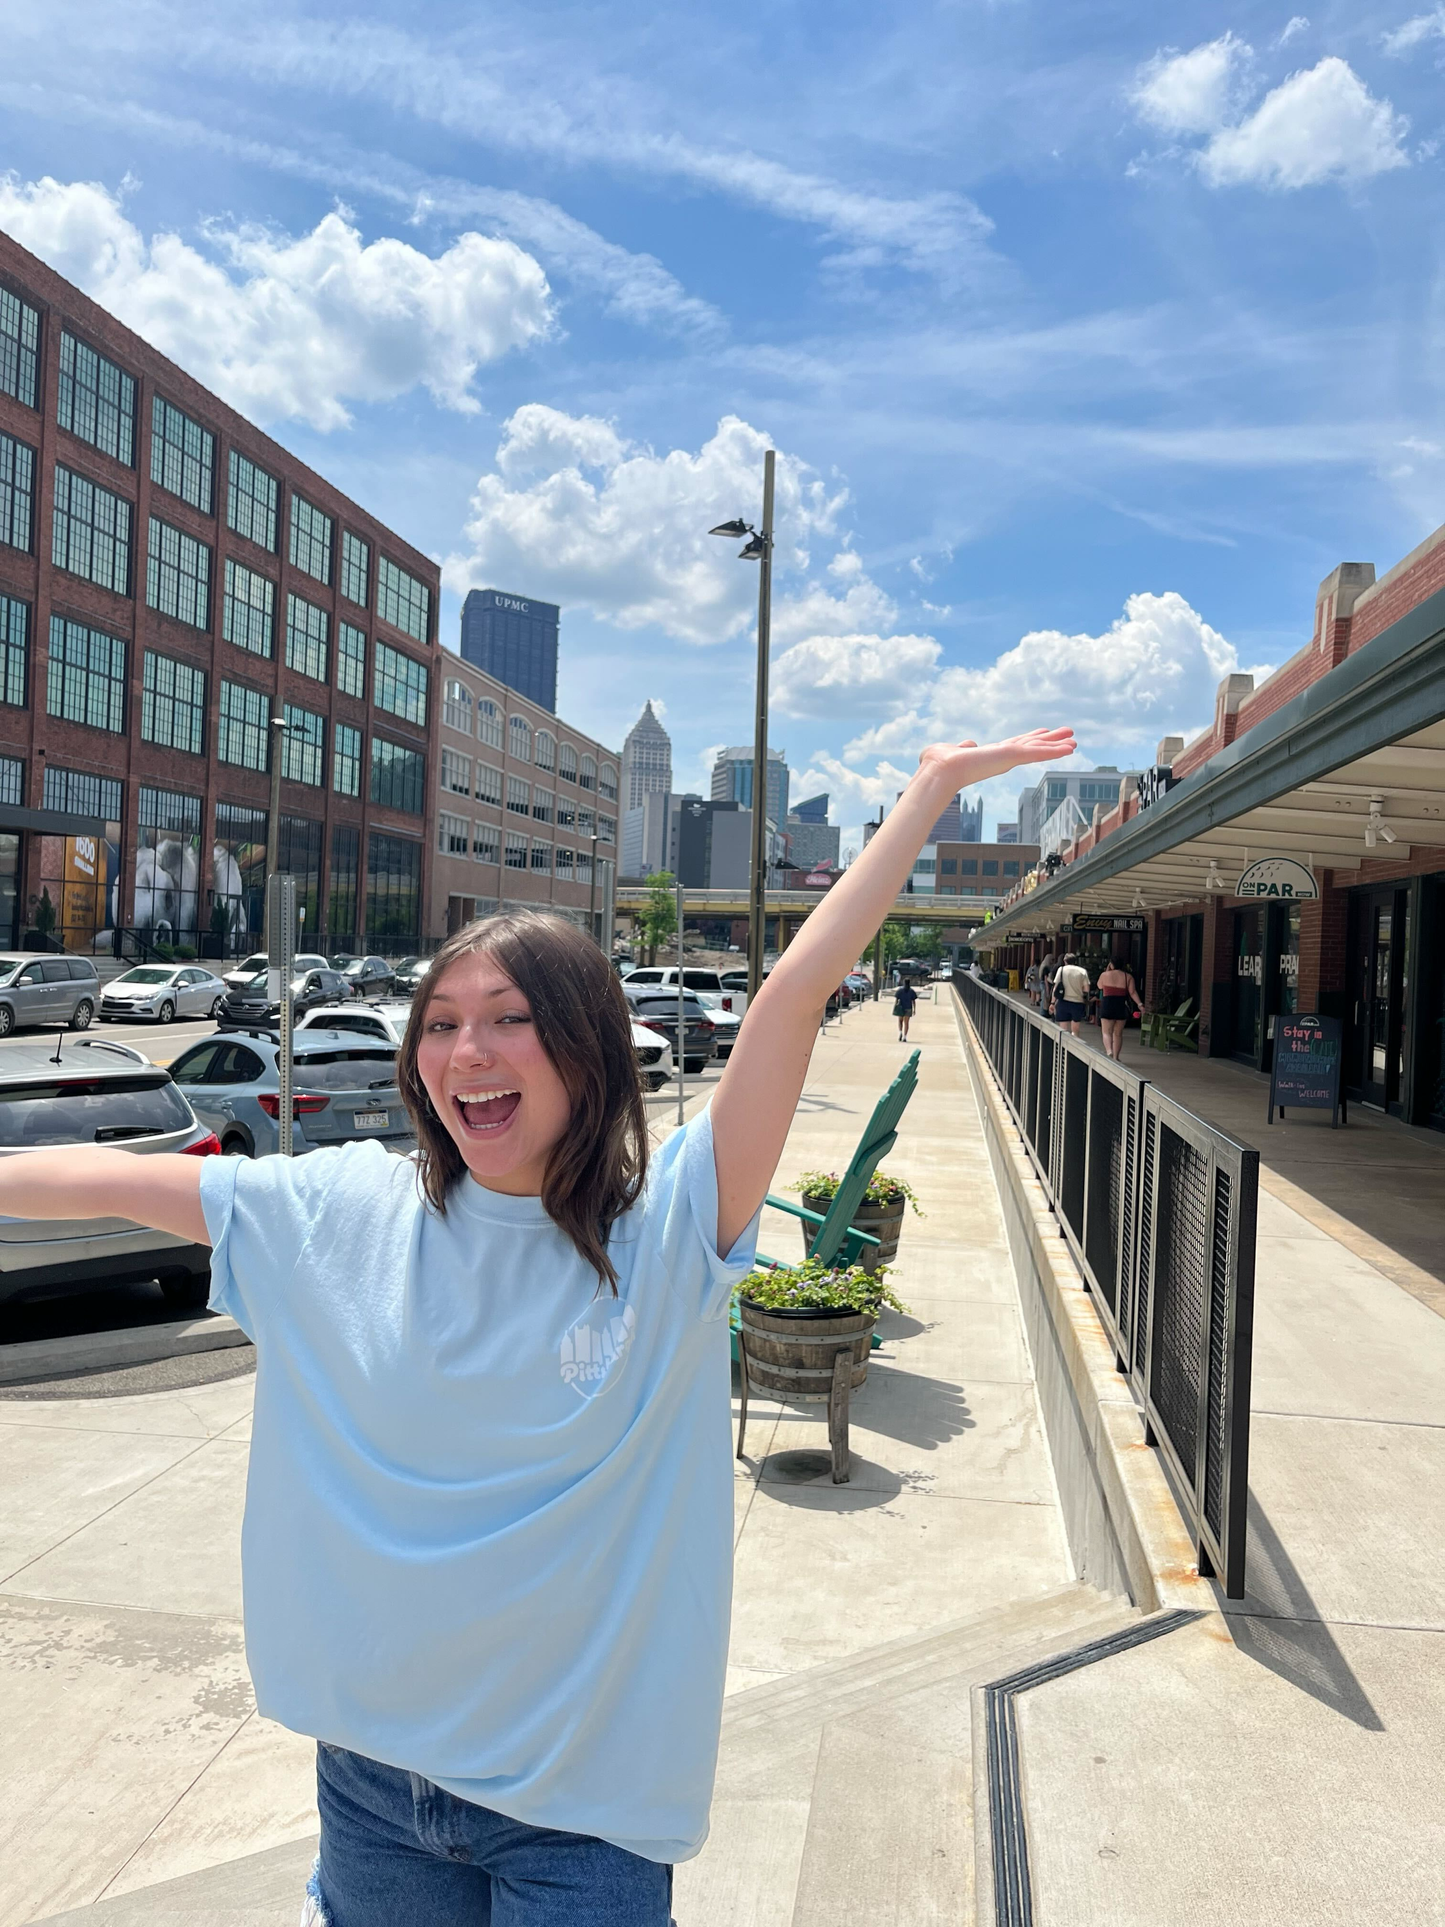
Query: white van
{"type": "Point", "coordinates": [708, 987]}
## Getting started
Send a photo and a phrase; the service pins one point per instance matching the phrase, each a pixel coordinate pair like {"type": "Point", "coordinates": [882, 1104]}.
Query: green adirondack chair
{"type": "Point", "coordinates": [1153, 1026]}
{"type": "Point", "coordinates": [1179, 1029]}
{"type": "Point", "coordinates": [836, 1236]}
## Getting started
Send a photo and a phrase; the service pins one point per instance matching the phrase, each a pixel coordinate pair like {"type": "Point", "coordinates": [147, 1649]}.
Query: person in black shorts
{"type": "Point", "coordinates": [1118, 997]}
{"type": "Point", "coordinates": [904, 1005]}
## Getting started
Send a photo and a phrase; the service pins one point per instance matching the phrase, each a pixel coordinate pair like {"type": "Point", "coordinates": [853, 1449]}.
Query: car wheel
{"type": "Point", "coordinates": [84, 1011]}
{"type": "Point", "coordinates": [217, 1007]}
{"type": "Point", "coordinates": [186, 1290]}
{"type": "Point", "coordinates": [7, 1020]}
{"type": "Point", "coordinates": [167, 1013]}
{"type": "Point", "coordinates": [236, 1147]}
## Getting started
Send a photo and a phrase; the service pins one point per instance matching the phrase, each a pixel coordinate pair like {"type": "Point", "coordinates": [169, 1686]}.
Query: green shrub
{"type": "Point", "coordinates": [814, 1286]}
{"type": "Point", "coordinates": [185, 952]}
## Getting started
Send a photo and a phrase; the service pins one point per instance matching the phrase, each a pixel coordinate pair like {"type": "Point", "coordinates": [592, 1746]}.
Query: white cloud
{"type": "Point", "coordinates": [1297, 24]}
{"type": "Point", "coordinates": [1319, 125]}
{"type": "Point", "coordinates": [601, 523]}
{"type": "Point", "coordinates": [814, 611]}
{"type": "Point", "coordinates": [292, 327]}
{"type": "Point", "coordinates": [1414, 32]}
{"type": "Point", "coordinates": [852, 676]}
{"type": "Point", "coordinates": [1190, 93]}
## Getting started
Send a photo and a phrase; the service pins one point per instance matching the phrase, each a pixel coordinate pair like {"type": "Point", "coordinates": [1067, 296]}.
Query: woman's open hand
{"type": "Point", "coordinates": [966, 763]}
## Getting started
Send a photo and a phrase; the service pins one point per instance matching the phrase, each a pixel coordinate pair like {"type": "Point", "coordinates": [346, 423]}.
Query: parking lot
{"type": "Point", "coordinates": [129, 1306]}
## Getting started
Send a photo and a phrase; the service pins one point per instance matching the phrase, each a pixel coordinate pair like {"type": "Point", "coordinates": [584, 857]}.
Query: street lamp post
{"type": "Point", "coordinates": [280, 730]}
{"type": "Point", "coordinates": [760, 550]}
{"type": "Point", "coordinates": [592, 898]}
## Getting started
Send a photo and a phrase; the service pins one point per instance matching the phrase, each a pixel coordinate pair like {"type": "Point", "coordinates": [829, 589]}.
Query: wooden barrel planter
{"type": "Point", "coordinates": [885, 1221]}
{"type": "Point", "coordinates": [818, 1357]}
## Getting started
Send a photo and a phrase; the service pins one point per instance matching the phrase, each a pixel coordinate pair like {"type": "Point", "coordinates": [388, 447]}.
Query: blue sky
{"type": "Point", "coordinates": [1087, 352]}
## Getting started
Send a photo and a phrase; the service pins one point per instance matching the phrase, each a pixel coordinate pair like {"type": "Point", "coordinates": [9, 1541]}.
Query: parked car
{"type": "Point", "coordinates": [96, 1093]}
{"type": "Point", "coordinates": [408, 974]}
{"type": "Point", "coordinates": [706, 985]}
{"type": "Point", "coordinates": [387, 1022]}
{"type": "Point", "coordinates": [258, 963]}
{"type": "Point", "coordinates": [369, 976]}
{"type": "Point", "coordinates": [253, 1004]}
{"type": "Point", "coordinates": [654, 1055]}
{"type": "Point", "coordinates": [343, 1091]}
{"type": "Point", "coordinates": [161, 992]}
{"type": "Point", "coordinates": [46, 990]}
{"type": "Point", "coordinates": [726, 1024]}
{"type": "Point", "coordinates": [656, 1010]}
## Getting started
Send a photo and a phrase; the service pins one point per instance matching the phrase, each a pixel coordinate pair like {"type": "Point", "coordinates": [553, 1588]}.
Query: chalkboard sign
{"type": "Point", "coordinates": [1306, 1072]}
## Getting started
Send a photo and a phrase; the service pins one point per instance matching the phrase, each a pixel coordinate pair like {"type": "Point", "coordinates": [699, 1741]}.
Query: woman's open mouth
{"type": "Point", "coordinates": [486, 1111]}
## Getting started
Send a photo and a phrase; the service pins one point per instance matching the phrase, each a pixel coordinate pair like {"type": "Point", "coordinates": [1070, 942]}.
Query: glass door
{"type": "Point", "coordinates": [1248, 983]}
{"type": "Point", "coordinates": [9, 889]}
{"type": "Point", "coordinates": [1377, 1008]}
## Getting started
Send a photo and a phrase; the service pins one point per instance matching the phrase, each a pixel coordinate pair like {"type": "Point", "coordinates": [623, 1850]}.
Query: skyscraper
{"type": "Point", "coordinates": [813, 809]}
{"type": "Point", "coordinates": [646, 759]}
{"type": "Point", "coordinates": [970, 822]}
{"type": "Point", "coordinates": [732, 777]}
{"type": "Point", "coordinates": [514, 639]}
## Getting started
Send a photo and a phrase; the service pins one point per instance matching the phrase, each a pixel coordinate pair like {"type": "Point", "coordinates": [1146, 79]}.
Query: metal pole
{"type": "Point", "coordinates": [279, 730]}
{"type": "Point", "coordinates": [592, 892]}
{"type": "Point", "coordinates": [281, 918]}
{"type": "Point", "coordinates": [757, 909]}
{"type": "Point", "coordinates": [878, 964]}
{"type": "Point", "coordinates": [681, 1053]}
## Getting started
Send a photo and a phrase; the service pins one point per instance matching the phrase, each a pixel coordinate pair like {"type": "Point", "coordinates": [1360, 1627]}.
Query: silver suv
{"type": "Point", "coordinates": [94, 1092]}
{"type": "Point", "coordinates": [46, 990]}
{"type": "Point", "coordinates": [343, 1090]}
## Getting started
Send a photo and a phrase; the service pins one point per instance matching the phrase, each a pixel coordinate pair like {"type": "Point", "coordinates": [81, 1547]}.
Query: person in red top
{"type": "Point", "coordinates": [1118, 996]}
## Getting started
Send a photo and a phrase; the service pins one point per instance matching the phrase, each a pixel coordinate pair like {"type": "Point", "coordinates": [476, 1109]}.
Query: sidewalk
{"type": "Point", "coordinates": [133, 1752]}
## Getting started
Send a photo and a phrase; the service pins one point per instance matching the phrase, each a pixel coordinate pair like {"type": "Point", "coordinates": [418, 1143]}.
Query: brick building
{"type": "Point", "coordinates": [1334, 765]}
{"type": "Point", "coordinates": [171, 580]}
{"type": "Point", "coordinates": [525, 808]}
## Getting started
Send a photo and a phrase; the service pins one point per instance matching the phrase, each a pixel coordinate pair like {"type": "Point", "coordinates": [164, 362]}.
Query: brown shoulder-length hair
{"type": "Point", "coordinates": [597, 1166]}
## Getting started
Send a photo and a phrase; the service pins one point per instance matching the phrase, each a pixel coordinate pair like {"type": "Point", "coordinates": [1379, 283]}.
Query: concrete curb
{"type": "Point", "coordinates": [1148, 1534]}
{"type": "Point", "coordinates": [105, 1351]}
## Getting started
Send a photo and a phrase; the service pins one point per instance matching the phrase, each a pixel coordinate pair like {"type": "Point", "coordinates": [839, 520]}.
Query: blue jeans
{"type": "Point", "coordinates": [397, 1851]}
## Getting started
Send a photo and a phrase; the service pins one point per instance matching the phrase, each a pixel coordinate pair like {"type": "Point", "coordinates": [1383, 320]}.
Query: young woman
{"type": "Point", "coordinates": [488, 1531]}
{"type": "Point", "coordinates": [904, 1005]}
{"type": "Point", "coordinates": [1071, 994]}
{"type": "Point", "coordinates": [1118, 995]}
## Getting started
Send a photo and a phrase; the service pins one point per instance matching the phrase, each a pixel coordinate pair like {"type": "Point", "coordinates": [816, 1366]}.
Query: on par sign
{"type": "Point", "coordinates": [1278, 876]}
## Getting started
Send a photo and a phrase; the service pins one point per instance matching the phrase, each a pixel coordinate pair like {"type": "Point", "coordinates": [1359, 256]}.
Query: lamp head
{"type": "Point", "coordinates": [753, 551]}
{"type": "Point", "coordinates": [735, 528]}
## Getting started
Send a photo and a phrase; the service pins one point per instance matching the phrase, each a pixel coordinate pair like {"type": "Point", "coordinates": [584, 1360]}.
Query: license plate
{"type": "Point", "coordinates": [372, 1120]}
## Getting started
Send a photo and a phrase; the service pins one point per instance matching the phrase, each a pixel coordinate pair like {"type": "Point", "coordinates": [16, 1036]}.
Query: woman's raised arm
{"type": "Point", "coordinates": [88, 1181]}
{"type": "Point", "coordinates": [760, 1087]}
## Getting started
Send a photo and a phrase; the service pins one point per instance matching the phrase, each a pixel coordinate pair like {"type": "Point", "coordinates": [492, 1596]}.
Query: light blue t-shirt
{"type": "Point", "coordinates": [489, 1517]}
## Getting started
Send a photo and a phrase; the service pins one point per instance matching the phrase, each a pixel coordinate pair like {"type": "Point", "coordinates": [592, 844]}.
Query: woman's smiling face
{"type": "Point", "coordinates": [489, 1080]}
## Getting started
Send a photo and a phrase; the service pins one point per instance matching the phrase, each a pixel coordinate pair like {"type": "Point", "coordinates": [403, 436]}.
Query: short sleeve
{"type": "Point", "coordinates": [681, 1208]}
{"type": "Point", "coordinates": [260, 1213]}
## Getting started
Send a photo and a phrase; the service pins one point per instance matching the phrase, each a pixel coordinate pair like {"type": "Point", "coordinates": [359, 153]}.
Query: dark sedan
{"type": "Point", "coordinates": [657, 1011]}
{"type": "Point", "coordinates": [250, 1006]}
{"type": "Point", "coordinates": [368, 977]}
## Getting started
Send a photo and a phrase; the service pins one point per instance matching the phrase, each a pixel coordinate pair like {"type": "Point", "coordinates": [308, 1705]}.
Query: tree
{"type": "Point", "coordinates": [45, 914]}
{"type": "Point", "coordinates": [659, 913]}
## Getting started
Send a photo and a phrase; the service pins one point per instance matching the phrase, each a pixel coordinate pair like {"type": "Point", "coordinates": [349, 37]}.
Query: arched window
{"type": "Point", "coordinates": [519, 738]}
{"type": "Point", "coordinates": [588, 778]}
{"type": "Point", "coordinates": [567, 763]}
{"type": "Point", "coordinates": [489, 722]}
{"type": "Point", "coordinates": [607, 783]}
{"type": "Point", "coordinates": [457, 706]}
{"type": "Point", "coordinates": [546, 749]}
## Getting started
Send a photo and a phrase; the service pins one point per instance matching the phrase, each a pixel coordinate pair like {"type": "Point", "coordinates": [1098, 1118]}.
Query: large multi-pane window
{"type": "Point", "coordinates": [545, 749]}
{"type": "Point", "coordinates": [566, 812]}
{"type": "Point", "coordinates": [456, 773]}
{"type": "Point", "coordinates": [345, 759]}
{"type": "Point", "coordinates": [95, 400]}
{"type": "Point", "coordinates": [305, 746]}
{"type": "Point", "coordinates": [183, 456]}
{"type": "Point", "coordinates": [516, 851]}
{"type": "Point", "coordinates": [489, 723]}
{"type": "Point", "coordinates": [168, 891]}
{"type": "Point", "coordinates": [91, 532]}
{"type": "Point", "coordinates": [542, 804]}
{"type": "Point", "coordinates": [607, 828]}
{"type": "Point", "coordinates": [251, 502]}
{"type": "Point", "coordinates": [249, 618]}
{"type": "Point", "coordinates": [607, 783]}
{"type": "Point", "coordinates": [17, 493]}
{"type": "Point", "coordinates": [542, 857]}
{"type": "Point", "coordinates": [12, 781]}
{"type": "Point", "coordinates": [345, 865]}
{"type": "Point", "coordinates": [403, 601]}
{"type": "Point", "coordinates": [519, 796]}
{"type": "Point", "coordinates": [519, 738]}
{"type": "Point", "coordinates": [393, 887]}
{"type": "Point", "coordinates": [486, 843]}
{"type": "Point", "coordinates": [173, 703]}
{"type": "Point", "coordinates": [588, 777]}
{"type": "Point", "coordinates": [355, 568]}
{"type": "Point", "coordinates": [453, 834]}
{"type": "Point", "coordinates": [243, 728]}
{"type": "Point", "coordinates": [350, 659]}
{"type": "Point", "coordinates": [299, 854]}
{"type": "Point", "coordinates": [19, 347]}
{"type": "Point", "coordinates": [178, 575]}
{"type": "Point", "coordinates": [238, 869]}
{"type": "Point", "coordinates": [310, 539]}
{"type": "Point", "coordinates": [457, 706]}
{"type": "Point", "coordinates": [85, 678]}
{"type": "Point", "coordinates": [399, 684]}
{"type": "Point", "coordinates": [398, 776]}
{"type": "Point", "coordinates": [488, 783]}
{"type": "Point", "coordinates": [564, 862]}
{"type": "Point", "coordinates": [79, 793]}
{"type": "Point", "coordinates": [307, 634]}
{"type": "Point", "coordinates": [14, 650]}
{"type": "Point", "coordinates": [567, 763]}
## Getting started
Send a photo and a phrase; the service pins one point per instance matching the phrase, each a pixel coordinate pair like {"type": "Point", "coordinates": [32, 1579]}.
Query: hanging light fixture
{"type": "Point", "coordinates": [1214, 881]}
{"type": "Point", "coordinates": [1376, 829]}
{"type": "Point", "coordinates": [1138, 902]}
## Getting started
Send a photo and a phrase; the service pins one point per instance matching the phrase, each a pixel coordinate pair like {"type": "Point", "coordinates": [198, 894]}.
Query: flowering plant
{"type": "Point", "coordinates": [881, 1188]}
{"type": "Point", "coordinates": [815, 1286]}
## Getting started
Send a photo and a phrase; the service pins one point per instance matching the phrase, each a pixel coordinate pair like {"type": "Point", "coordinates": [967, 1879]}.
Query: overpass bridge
{"type": "Point", "coordinates": [791, 908]}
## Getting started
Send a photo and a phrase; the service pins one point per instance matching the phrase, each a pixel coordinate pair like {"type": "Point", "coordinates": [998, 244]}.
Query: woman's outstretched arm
{"type": "Point", "coordinates": [87, 1181]}
{"type": "Point", "coordinates": [760, 1087]}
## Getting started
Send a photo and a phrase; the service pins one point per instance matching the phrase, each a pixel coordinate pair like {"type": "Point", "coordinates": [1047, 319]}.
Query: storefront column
{"type": "Point", "coordinates": [1217, 980]}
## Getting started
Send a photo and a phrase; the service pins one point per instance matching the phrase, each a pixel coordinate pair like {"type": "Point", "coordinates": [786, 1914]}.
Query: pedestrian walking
{"type": "Point", "coordinates": [1031, 983]}
{"type": "Point", "coordinates": [1118, 999]}
{"type": "Point", "coordinates": [488, 1533]}
{"type": "Point", "coordinates": [1071, 994]}
{"type": "Point", "coordinates": [1047, 966]}
{"type": "Point", "coordinates": [904, 1005]}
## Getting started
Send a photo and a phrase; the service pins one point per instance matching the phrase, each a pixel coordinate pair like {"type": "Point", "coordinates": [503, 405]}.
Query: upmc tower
{"type": "Point", "coordinates": [514, 639]}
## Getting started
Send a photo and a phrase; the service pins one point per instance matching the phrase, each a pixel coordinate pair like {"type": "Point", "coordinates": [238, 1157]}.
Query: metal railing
{"type": "Point", "coordinates": [1158, 1209]}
